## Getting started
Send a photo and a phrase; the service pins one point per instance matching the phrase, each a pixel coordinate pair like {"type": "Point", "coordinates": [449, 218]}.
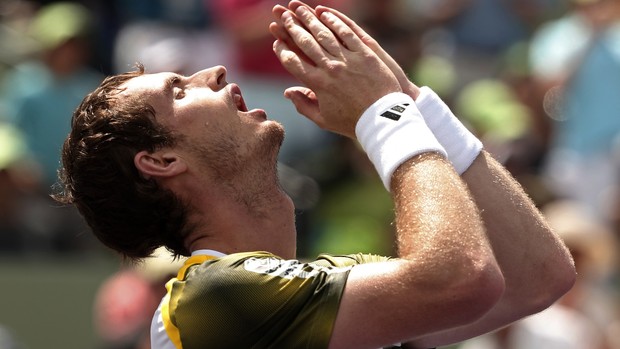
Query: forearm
{"type": "Point", "coordinates": [439, 229]}
{"type": "Point", "coordinates": [445, 264]}
{"type": "Point", "coordinates": [445, 256]}
{"type": "Point", "coordinates": [433, 204]}
{"type": "Point", "coordinates": [536, 266]}
{"type": "Point", "coordinates": [524, 244]}
{"type": "Point", "coordinates": [529, 253]}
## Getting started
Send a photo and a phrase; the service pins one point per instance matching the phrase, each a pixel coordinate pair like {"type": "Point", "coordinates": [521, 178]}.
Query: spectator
{"type": "Point", "coordinates": [126, 301]}
{"type": "Point", "coordinates": [576, 62]}
{"type": "Point", "coordinates": [42, 92]}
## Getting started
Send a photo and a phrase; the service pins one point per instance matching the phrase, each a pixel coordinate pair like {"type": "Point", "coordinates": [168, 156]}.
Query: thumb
{"type": "Point", "coordinates": [305, 102]}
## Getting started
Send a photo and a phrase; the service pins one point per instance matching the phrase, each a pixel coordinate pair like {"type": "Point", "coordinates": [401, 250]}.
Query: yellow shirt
{"type": "Point", "coordinates": [253, 300]}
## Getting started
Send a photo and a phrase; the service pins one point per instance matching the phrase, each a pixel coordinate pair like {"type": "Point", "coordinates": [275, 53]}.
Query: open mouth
{"type": "Point", "coordinates": [238, 98]}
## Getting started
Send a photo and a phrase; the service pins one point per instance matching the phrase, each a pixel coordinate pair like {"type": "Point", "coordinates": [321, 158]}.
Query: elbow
{"type": "Point", "coordinates": [538, 290]}
{"type": "Point", "coordinates": [459, 292]}
{"type": "Point", "coordinates": [479, 290]}
{"type": "Point", "coordinates": [565, 277]}
{"type": "Point", "coordinates": [559, 279]}
{"type": "Point", "coordinates": [486, 288]}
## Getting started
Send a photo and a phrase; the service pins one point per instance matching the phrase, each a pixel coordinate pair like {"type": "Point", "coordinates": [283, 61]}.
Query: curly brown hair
{"type": "Point", "coordinates": [127, 212]}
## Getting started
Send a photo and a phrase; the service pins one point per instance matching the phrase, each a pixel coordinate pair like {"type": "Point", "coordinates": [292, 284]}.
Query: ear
{"type": "Point", "coordinates": [160, 164]}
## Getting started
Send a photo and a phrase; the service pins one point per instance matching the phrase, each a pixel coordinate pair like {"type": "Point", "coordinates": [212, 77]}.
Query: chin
{"type": "Point", "coordinates": [266, 151]}
{"type": "Point", "coordinates": [273, 135]}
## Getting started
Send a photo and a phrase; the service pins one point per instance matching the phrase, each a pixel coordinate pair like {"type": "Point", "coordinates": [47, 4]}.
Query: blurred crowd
{"type": "Point", "coordinates": [537, 80]}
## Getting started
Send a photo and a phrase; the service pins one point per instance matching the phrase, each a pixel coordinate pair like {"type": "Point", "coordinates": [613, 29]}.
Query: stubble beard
{"type": "Point", "coordinates": [250, 174]}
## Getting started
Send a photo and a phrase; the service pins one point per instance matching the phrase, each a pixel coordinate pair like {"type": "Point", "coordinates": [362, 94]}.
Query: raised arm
{"type": "Point", "coordinates": [535, 263]}
{"type": "Point", "coordinates": [446, 275]}
{"type": "Point", "coordinates": [536, 266]}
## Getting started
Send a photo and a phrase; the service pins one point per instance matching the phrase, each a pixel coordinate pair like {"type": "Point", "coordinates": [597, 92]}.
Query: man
{"type": "Point", "coordinates": [179, 161]}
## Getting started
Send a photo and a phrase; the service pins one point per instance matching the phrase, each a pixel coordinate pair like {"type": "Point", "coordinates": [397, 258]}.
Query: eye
{"type": "Point", "coordinates": [179, 93]}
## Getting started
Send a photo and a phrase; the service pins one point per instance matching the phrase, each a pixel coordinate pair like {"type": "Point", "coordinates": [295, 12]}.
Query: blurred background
{"type": "Point", "coordinates": [537, 80]}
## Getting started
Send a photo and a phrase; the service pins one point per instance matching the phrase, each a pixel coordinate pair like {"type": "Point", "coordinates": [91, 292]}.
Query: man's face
{"type": "Point", "coordinates": [211, 117]}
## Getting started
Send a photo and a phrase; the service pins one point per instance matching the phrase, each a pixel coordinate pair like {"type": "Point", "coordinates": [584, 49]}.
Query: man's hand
{"type": "Point", "coordinates": [342, 74]}
{"type": "Point", "coordinates": [406, 85]}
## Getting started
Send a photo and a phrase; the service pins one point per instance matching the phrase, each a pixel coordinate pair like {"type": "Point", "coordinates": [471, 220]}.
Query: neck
{"type": "Point", "coordinates": [230, 224]}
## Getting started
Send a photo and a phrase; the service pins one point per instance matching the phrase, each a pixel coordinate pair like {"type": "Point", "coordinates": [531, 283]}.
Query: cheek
{"type": "Point", "coordinates": [201, 126]}
{"type": "Point", "coordinates": [220, 129]}
{"type": "Point", "coordinates": [223, 135]}
{"type": "Point", "coordinates": [219, 152]}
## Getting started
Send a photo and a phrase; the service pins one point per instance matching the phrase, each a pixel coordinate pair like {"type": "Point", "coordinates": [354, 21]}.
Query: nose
{"type": "Point", "coordinates": [214, 77]}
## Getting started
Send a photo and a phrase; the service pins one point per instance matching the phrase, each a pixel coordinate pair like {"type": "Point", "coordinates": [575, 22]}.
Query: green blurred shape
{"type": "Point", "coordinates": [492, 109]}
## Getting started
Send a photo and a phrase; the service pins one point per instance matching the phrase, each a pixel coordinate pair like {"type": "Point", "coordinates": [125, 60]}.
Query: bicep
{"type": "Point", "coordinates": [379, 307]}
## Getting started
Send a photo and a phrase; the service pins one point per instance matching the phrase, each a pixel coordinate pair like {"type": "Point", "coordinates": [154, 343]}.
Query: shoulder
{"type": "Point", "coordinates": [249, 267]}
{"type": "Point", "coordinates": [274, 299]}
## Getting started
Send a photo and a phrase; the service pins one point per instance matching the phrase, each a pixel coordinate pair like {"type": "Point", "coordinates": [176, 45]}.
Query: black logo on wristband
{"type": "Point", "coordinates": [395, 112]}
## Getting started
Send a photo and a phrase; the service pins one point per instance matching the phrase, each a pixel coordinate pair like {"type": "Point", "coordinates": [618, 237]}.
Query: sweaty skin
{"type": "Point", "coordinates": [523, 253]}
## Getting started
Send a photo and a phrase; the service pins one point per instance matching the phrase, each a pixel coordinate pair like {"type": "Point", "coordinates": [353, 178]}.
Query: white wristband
{"type": "Point", "coordinates": [460, 144]}
{"type": "Point", "coordinates": [391, 131]}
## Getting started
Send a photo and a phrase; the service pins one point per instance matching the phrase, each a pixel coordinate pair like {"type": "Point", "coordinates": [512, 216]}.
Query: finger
{"type": "Point", "coordinates": [343, 32]}
{"type": "Point", "coordinates": [303, 39]}
{"type": "Point", "coordinates": [365, 37]}
{"type": "Point", "coordinates": [305, 102]}
{"type": "Point", "coordinates": [278, 10]}
{"type": "Point", "coordinates": [321, 33]}
{"type": "Point", "coordinates": [278, 32]}
{"type": "Point", "coordinates": [291, 61]}
{"type": "Point", "coordinates": [361, 33]}
{"type": "Point", "coordinates": [332, 46]}
{"type": "Point", "coordinates": [402, 77]}
{"type": "Point", "coordinates": [294, 5]}
{"type": "Point", "coordinates": [276, 28]}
